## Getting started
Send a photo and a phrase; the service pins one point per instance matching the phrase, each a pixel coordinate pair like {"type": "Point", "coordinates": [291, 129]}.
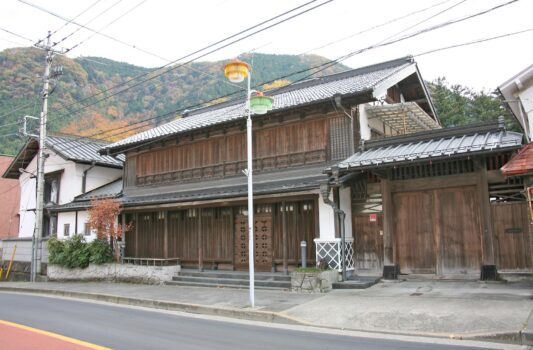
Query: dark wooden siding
{"type": "Point", "coordinates": [183, 234]}
{"type": "Point", "coordinates": [289, 145]}
{"type": "Point", "coordinates": [512, 236]}
{"type": "Point", "coordinates": [368, 237]}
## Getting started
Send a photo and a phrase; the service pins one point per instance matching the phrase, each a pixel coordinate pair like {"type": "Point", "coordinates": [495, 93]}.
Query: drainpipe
{"type": "Point", "coordinates": [84, 177]}
{"type": "Point", "coordinates": [325, 189]}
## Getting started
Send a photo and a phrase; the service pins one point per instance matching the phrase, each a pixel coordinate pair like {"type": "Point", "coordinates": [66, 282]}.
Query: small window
{"type": "Point", "coordinates": [87, 229]}
{"type": "Point", "coordinates": [66, 230]}
{"type": "Point", "coordinates": [191, 213]}
{"type": "Point", "coordinates": [161, 215]}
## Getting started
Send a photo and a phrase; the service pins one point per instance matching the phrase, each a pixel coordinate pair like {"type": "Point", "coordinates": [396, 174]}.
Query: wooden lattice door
{"type": "Point", "coordinates": [262, 242]}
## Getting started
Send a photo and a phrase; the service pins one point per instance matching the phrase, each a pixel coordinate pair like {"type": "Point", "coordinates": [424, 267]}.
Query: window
{"type": "Point", "coordinates": [87, 229]}
{"type": "Point", "coordinates": [66, 230]}
{"type": "Point", "coordinates": [51, 188]}
{"type": "Point", "coordinates": [49, 225]}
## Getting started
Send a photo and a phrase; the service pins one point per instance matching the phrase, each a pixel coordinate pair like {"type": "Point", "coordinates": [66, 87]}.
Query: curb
{"type": "Point", "coordinates": [519, 337]}
{"type": "Point", "coordinates": [250, 315]}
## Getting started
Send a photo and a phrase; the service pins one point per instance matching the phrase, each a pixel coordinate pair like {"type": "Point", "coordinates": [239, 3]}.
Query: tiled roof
{"type": "Point", "coordinates": [74, 148]}
{"type": "Point", "coordinates": [521, 163]}
{"type": "Point", "coordinates": [110, 190]}
{"type": "Point", "coordinates": [432, 145]}
{"type": "Point", "coordinates": [348, 83]}
{"type": "Point", "coordinates": [82, 150]}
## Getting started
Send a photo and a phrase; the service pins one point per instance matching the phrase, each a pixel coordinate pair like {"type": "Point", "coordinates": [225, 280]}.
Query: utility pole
{"type": "Point", "coordinates": [39, 205]}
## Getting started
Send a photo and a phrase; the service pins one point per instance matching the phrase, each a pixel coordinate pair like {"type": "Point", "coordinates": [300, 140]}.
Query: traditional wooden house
{"type": "Point", "coordinates": [186, 194]}
{"type": "Point", "coordinates": [436, 203]}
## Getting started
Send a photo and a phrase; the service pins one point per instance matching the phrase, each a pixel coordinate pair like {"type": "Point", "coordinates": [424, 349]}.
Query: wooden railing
{"type": "Point", "coordinates": [234, 168]}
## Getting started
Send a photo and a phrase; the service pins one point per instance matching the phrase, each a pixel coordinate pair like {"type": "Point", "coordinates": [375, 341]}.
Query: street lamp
{"type": "Point", "coordinates": [236, 71]}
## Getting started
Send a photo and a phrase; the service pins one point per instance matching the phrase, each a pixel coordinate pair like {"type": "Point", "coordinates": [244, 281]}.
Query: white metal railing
{"type": "Point", "coordinates": [330, 250]}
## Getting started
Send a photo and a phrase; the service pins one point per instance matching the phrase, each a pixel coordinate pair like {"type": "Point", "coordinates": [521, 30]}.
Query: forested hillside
{"type": "Point", "coordinates": [80, 102]}
{"type": "Point", "coordinates": [180, 87]}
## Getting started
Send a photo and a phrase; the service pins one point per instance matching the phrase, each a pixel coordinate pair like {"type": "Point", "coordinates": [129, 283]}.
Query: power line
{"type": "Point", "coordinates": [86, 23]}
{"type": "Point", "coordinates": [202, 55]}
{"type": "Point", "coordinates": [473, 42]}
{"type": "Point", "coordinates": [73, 19]}
{"type": "Point", "coordinates": [17, 35]}
{"type": "Point", "coordinates": [376, 27]}
{"type": "Point", "coordinates": [321, 66]}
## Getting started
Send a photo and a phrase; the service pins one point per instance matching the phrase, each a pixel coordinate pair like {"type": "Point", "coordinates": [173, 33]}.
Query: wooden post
{"type": "Point", "coordinates": [123, 224]}
{"type": "Point", "coordinates": [165, 235]}
{"type": "Point", "coordinates": [285, 246]}
{"type": "Point", "coordinates": [200, 250]}
{"type": "Point", "coordinates": [136, 235]}
{"type": "Point", "coordinates": [388, 251]}
{"type": "Point", "coordinates": [486, 216]}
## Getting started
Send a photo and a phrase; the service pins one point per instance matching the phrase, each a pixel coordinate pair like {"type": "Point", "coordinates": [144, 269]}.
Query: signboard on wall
{"type": "Point", "coordinates": [373, 217]}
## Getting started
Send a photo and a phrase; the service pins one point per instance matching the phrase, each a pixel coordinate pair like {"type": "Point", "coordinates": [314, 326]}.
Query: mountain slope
{"type": "Point", "coordinates": [180, 87]}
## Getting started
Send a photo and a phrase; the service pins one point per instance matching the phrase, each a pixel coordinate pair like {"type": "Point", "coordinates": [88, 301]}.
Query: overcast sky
{"type": "Point", "coordinates": [172, 29]}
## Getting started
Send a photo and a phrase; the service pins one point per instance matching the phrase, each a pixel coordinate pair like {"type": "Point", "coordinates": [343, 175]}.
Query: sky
{"type": "Point", "coordinates": [150, 33]}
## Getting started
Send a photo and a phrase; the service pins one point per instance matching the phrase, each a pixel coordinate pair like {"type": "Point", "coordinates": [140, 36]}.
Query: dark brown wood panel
{"type": "Point", "coordinates": [293, 144]}
{"type": "Point", "coordinates": [217, 234]}
{"type": "Point", "coordinates": [368, 238]}
{"type": "Point", "coordinates": [413, 232]}
{"type": "Point", "coordinates": [512, 237]}
{"type": "Point", "coordinates": [183, 234]}
{"type": "Point", "coordinates": [300, 225]}
{"type": "Point", "coordinates": [151, 231]}
{"type": "Point", "coordinates": [262, 242]}
{"type": "Point", "coordinates": [458, 230]}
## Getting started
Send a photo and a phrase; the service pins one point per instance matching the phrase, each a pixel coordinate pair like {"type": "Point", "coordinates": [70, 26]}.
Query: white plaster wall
{"type": "Point", "coordinates": [526, 98]}
{"type": "Point", "coordinates": [346, 205]}
{"type": "Point", "coordinates": [96, 177]}
{"type": "Point", "coordinates": [326, 219]}
{"type": "Point", "coordinates": [70, 218]}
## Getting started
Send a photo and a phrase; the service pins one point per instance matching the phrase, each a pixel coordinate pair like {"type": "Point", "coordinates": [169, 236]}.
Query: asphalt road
{"type": "Point", "coordinates": [121, 327]}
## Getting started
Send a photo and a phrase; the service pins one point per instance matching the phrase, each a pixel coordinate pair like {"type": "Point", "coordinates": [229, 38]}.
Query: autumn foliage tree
{"type": "Point", "coordinates": [103, 216]}
{"type": "Point", "coordinates": [96, 124]}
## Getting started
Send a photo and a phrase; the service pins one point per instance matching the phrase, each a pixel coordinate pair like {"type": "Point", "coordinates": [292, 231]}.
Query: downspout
{"type": "Point", "coordinates": [84, 177]}
{"type": "Point", "coordinates": [325, 189]}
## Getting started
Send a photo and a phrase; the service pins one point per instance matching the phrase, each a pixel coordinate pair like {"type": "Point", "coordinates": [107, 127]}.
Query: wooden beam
{"type": "Point", "coordinates": [486, 215]}
{"type": "Point", "coordinates": [285, 243]}
{"type": "Point", "coordinates": [200, 248]}
{"type": "Point", "coordinates": [165, 237]}
{"type": "Point", "coordinates": [386, 195]}
{"type": "Point", "coordinates": [136, 235]}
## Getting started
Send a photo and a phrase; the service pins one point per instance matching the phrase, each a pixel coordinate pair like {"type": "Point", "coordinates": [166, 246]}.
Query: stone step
{"type": "Point", "coordinates": [357, 282]}
{"type": "Point", "coordinates": [259, 276]}
{"type": "Point", "coordinates": [220, 281]}
{"type": "Point", "coordinates": [211, 285]}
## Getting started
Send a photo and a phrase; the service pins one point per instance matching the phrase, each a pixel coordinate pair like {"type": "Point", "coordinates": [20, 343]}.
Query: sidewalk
{"type": "Point", "coordinates": [473, 310]}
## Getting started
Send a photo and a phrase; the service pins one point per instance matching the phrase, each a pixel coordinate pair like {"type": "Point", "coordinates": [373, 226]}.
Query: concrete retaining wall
{"type": "Point", "coordinates": [23, 253]}
{"type": "Point", "coordinates": [114, 272]}
{"type": "Point", "coordinates": [313, 282]}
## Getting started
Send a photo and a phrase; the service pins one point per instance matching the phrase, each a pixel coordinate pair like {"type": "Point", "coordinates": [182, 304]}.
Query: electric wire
{"type": "Point", "coordinates": [17, 35]}
{"type": "Point", "coordinates": [188, 55]}
{"type": "Point", "coordinates": [86, 23]}
{"type": "Point", "coordinates": [191, 60]}
{"type": "Point", "coordinates": [322, 66]}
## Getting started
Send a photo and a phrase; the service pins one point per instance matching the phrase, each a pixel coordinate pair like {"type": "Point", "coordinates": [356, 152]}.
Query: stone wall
{"type": "Point", "coordinates": [114, 272]}
{"type": "Point", "coordinates": [313, 282]}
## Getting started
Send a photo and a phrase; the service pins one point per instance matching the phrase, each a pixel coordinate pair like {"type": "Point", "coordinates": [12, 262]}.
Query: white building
{"type": "Point", "coordinates": [73, 167]}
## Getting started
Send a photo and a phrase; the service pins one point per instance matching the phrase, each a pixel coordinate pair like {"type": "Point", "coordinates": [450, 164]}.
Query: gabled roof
{"type": "Point", "coordinates": [73, 148]}
{"type": "Point", "coordinates": [521, 163]}
{"type": "Point", "coordinates": [433, 145]}
{"type": "Point", "coordinates": [374, 79]}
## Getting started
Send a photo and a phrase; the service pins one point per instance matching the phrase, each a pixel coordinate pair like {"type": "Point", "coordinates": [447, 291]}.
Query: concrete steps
{"type": "Point", "coordinates": [231, 279]}
{"type": "Point", "coordinates": [357, 282]}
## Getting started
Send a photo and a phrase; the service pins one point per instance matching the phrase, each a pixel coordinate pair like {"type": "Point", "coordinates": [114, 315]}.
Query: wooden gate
{"type": "Point", "coordinates": [262, 240]}
{"type": "Point", "coordinates": [368, 236]}
{"type": "Point", "coordinates": [438, 231]}
{"type": "Point", "coordinates": [512, 240]}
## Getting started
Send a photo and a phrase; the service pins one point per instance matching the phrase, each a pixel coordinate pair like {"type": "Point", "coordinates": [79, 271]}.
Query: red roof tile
{"type": "Point", "coordinates": [521, 163]}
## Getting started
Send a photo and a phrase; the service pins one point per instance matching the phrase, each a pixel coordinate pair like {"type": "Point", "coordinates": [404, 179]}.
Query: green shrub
{"type": "Point", "coordinates": [56, 249]}
{"type": "Point", "coordinates": [100, 251]}
{"type": "Point", "coordinates": [76, 252]}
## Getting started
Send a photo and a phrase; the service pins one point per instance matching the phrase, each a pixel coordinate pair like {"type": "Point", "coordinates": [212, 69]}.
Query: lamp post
{"type": "Point", "coordinates": [236, 71]}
